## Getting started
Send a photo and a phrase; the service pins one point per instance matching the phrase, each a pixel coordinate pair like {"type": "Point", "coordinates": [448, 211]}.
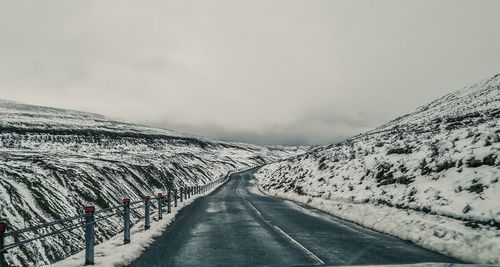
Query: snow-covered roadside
{"type": "Point", "coordinates": [441, 234]}
{"type": "Point", "coordinates": [430, 176]}
{"type": "Point", "coordinates": [113, 252]}
{"type": "Point", "coordinates": [54, 161]}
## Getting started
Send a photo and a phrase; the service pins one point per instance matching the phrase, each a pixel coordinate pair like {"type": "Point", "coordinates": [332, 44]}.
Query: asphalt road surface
{"type": "Point", "coordinates": [238, 226]}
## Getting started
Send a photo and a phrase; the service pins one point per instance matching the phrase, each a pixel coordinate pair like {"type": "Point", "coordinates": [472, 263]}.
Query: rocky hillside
{"type": "Point", "coordinates": [54, 161]}
{"type": "Point", "coordinates": [441, 159]}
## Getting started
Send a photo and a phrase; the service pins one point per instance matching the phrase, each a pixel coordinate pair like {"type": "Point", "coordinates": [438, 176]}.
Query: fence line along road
{"type": "Point", "coordinates": [91, 216]}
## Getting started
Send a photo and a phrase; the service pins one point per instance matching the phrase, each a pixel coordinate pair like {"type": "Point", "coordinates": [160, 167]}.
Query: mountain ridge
{"type": "Point", "coordinates": [55, 161]}
{"type": "Point", "coordinates": [441, 159]}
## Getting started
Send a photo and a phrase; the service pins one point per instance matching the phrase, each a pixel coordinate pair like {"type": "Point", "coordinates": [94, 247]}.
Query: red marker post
{"type": "Point", "coordinates": [147, 212]}
{"type": "Point", "coordinates": [160, 206]}
{"type": "Point", "coordinates": [3, 228]}
{"type": "Point", "coordinates": [169, 201]}
{"type": "Point", "coordinates": [126, 220]}
{"type": "Point", "coordinates": [89, 234]}
{"type": "Point", "coordinates": [175, 198]}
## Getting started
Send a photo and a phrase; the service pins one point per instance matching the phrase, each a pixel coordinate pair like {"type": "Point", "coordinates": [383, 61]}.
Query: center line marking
{"type": "Point", "coordinates": [308, 252]}
{"type": "Point", "coordinates": [280, 231]}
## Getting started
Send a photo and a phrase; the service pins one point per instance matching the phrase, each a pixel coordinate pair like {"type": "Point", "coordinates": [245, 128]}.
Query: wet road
{"type": "Point", "coordinates": [237, 226]}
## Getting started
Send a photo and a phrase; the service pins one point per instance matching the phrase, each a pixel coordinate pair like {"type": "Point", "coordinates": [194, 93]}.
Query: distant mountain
{"type": "Point", "coordinates": [54, 161]}
{"type": "Point", "coordinates": [441, 159]}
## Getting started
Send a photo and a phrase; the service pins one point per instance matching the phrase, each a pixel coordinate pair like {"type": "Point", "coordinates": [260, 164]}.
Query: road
{"type": "Point", "coordinates": [238, 226]}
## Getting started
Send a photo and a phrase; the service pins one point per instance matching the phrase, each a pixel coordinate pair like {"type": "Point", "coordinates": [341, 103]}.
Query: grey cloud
{"type": "Point", "coordinates": [316, 127]}
{"type": "Point", "coordinates": [282, 71]}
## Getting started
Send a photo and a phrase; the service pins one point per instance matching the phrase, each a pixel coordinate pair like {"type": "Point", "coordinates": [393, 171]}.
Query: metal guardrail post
{"type": "Point", "coordinates": [89, 235]}
{"type": "Point", "coordinates": [160, 206]}
{"type": "Point", "coordinates": [169, 201]}
{"type": "Point", "coordinates": [147, 212]}
{"type": "Point", "coordinates": [126, 220]}
{"type": "Point", "coordinates": [175, 198]}
{"type": "Point", "coordinates": [3, 228]}
{"type": "Point", "coordinates": [89, 227]}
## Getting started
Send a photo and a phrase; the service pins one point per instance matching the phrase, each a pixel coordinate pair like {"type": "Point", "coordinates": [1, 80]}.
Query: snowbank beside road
{"type": "Point", "coordinates": [445, 235]}
{"type": "Point", "coordinates": [114, 253]}
{"type": "Point", "coordinates": [54, 161]}
{"type": "Point", "coordinates": [430, 176]}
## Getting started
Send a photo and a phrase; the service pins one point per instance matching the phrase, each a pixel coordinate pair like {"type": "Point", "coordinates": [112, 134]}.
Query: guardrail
{"type": "Point", "coordinates": [90, 217]}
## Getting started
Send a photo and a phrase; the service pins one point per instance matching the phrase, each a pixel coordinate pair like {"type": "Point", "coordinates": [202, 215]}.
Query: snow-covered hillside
{"type": "Point", "coordinates": [54, 161]}
{"type": "Point", "coordinates": [441, 160]}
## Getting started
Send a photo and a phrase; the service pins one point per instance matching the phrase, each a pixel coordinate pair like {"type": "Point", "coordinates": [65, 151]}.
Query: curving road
{"type": "Point", "coordinates": [238, 226]}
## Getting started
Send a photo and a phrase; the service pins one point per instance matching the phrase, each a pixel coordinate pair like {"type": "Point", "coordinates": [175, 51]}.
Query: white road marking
{"type": "Point", "coordinates": [308, 252]}
{"type": "Point", "coordinates": [238, 189]}
{"type": "Point", "coordinates": [254, 208]}
{"type": "Point", "coordinates": [290, 239]}
{"type": "Point", "coordinates": [327, 217]}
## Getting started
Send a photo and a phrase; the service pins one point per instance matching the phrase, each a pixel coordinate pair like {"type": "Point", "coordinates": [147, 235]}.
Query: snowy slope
{"type": "Point", "coordinates": [54, 161]}
{"type": "Point", "coordinates": [442, 159]}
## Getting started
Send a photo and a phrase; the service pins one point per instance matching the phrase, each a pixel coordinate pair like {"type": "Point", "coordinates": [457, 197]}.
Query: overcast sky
{"type": "Point", "coordinates": [261, 71]}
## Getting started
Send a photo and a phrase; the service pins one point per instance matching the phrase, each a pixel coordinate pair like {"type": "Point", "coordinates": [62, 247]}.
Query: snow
{"type": "Point", "coordinates": [55, 161]}
{"type": "Point", "coordinates": [430, 176]}
{"type": "Point", "coordinates": [113, 252]}
{"type": "Point", "coordinates": [434, 232]}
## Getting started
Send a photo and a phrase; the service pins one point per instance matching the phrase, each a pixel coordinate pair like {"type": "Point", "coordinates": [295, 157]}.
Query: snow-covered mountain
{"type": "Point", "coordinates": [442, 159]}
{"type": "Point", "coordinates": [54, 161]}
